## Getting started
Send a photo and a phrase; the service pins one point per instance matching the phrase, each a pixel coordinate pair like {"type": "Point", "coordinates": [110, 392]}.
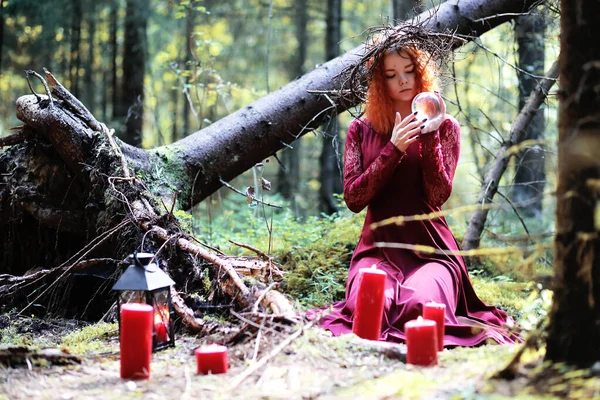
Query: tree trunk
{"type": "Point", "coordinates": [288, 175]}
{"type": "Point", "coordinates": [134, 67]}
{"type": "Point", "coordinates": [405, 9]}
{"type": "Point", "coordinates": [330, 159]}
{"type": "Point", "coordinates": [530, 173]}
{"type": "Point", "coordinates": [113, 27]}
{"type": "Point", "coordinates": [75, 47]}
{"type": "Point", "coordinates": [1, 32]}
{"type": "Point", "coordinates": [190, 65]}
{"type": "Point", "coordinates": [575, 315]}
{"type": "Point", "coordinates": [88, 79]}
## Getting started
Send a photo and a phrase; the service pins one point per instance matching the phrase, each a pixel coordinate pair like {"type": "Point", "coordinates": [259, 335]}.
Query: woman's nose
{"type": "Point", "coordinates": [402, 79]}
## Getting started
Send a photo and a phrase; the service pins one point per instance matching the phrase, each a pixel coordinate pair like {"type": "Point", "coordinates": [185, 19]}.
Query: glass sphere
{"type": "Point", "coordinates": [427, 105]}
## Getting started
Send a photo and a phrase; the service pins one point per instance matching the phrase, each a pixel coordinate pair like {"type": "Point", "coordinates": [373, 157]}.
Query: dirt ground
{"type": "Point", "coordinates": [314, 365]}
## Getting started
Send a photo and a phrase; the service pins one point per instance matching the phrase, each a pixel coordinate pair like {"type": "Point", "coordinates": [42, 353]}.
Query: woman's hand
{"type": "Point", "coordinates": [406, 131]}
{"type": "Point", "coordinates": [433, 124]}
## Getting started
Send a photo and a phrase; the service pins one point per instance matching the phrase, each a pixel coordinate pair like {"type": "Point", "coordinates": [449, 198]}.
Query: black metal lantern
{"type": "Point", "coordinates": [144, 282]}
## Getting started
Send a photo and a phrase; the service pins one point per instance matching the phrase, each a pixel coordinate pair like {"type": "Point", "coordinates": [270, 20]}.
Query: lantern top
{"type": "Point", "coordinates": [143, 274]}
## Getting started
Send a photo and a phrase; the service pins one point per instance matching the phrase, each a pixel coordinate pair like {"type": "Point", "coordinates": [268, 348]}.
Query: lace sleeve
{"type": "Point", "coordinates": [361, 186]}
{"type": "Point", "coordinates": [439, 157]}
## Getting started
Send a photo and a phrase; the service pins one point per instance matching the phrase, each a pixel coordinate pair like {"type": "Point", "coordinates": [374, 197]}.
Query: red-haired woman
{"type": "Point", "coordinates": [398, 165]}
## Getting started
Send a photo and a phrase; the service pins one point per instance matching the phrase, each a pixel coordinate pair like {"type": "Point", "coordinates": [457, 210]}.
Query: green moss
{"type": "Point", "coordinates": [167, 175]}
{"type": "Point", "coordinates": [502, 292]}
{"type": "Point", "coordinates": [91, 338]}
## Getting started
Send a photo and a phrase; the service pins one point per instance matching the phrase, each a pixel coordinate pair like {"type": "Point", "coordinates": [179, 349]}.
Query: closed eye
{"type": "Point", "coordinates": [390, 76]}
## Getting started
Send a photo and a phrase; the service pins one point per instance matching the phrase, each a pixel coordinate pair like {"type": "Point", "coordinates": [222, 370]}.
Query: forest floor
{"type": "Point", "coordinates": [314, 365]}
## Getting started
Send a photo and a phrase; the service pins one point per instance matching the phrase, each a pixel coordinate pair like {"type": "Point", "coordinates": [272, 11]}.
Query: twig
{"type": "Point", "coordinates": [262, 296]}
{"type": "Point", "coordinates": [29, 73]}
{"type": "Point", "coordinates": [254, 367]}
{"type": "Point", "coordinates": [186, 313]}
{"type": "Point", "coordinates": [109, 135]}
{"type": "Point", "coordinates": [257, 342]}
{"type": "Point", "coordinates": [244, 194]}
{"type": "Point", "coordinates": [188, 246]}
{"type": "Point", "coordinates": [254, 249]}
{"type": "Point", "coordinates": [86, 250]}
{"type": "Point", "coordinates": [250, 322]}
{"type": "Point", "coordinates": [208, 246]}
{"type": "Point", "coordinates": [59, 90]}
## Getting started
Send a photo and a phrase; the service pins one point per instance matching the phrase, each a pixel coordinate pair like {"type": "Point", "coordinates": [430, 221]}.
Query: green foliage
{"type": "Point", "coordinates": [314, 252]}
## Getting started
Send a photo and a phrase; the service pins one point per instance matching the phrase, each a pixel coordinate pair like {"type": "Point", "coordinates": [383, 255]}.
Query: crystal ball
{"type": "Point", "coordinates": [427, 105]}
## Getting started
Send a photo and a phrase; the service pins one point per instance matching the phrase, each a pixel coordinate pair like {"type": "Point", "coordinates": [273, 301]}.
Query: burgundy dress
{"type": "Point", "coordinates": [391, 183]}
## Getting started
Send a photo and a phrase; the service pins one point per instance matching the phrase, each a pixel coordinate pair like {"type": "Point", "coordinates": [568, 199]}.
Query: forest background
{"type": "Point", "coordinates": [158, 70]}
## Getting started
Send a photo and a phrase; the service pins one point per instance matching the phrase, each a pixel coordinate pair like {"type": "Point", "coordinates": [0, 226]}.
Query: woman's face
{"type": "Point", "coordinates": [400, 76]}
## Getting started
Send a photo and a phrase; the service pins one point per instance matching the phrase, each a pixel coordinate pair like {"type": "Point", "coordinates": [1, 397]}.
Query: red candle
{"type": "Point", "coordinates": [369, 303]}
{"type": "Point", "coordinates": [211, 358]}
{"type": "Point", "coordinates": [136, 340]}
{"type": "Point", "coordinates": [421, 342]}
{"type": "Point", "coordinates": [436, 312]}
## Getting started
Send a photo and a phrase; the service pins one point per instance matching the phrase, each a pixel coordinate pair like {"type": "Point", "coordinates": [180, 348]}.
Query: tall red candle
{"type": "Point", "coordinates": [369, 303]}
{"type": "Point", "coordinates": [436, 312]}
{"type": "Point", "coordinates": [136, 340]}
{"type": "Point", "coordinates": [211, 358]}
{"type": "Point", "coordinates": [421, 342]}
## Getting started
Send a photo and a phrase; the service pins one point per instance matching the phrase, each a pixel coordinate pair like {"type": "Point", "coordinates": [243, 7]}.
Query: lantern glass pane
{"type": "Point", "coordinates": [132, 296]}
{"type": "Point", "coordinates": [161, 316]}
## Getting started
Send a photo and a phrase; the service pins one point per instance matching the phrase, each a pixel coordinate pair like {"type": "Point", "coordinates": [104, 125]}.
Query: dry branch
{"type": "Point", "coordinates": [492, 179]}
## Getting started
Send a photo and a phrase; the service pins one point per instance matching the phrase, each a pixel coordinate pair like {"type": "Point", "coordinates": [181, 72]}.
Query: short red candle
{"type": "Point", "coordinates": [436, 312]}
{"type": "Point", "coordinates": [160, 325]}
{"type": "Point", "coordinates": [211, 358]}
{"type": "Point", "coordinates": [135, 340]}
{"type": "Point", "coordinates": [160, 328]}
{"type": "Point", "coordinates": [369, 303]}
{"type": "Point", "coordinates": [421, 342]}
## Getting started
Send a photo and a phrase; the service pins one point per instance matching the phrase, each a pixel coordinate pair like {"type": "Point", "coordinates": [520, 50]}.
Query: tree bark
{"type": "Point", "coordinates": [134, 68]}
{"type": "Point", "coordinates": [331, 156]}
{"type": "Point", "coordinates": [492, 178]}
{"type": "Point", "coordinates": [235, 143]}
{"type": "Point", "coordinates": [75, 61]}
{"type": "Point", "coordinates": [574, 326]}
{"type": "Point", "coordinates": [1, 32]}
{"type": "Point", "coordinates": [113, 24]}
{"type": "Point", "coordinates": [288, 175]}
{"type": "Point", "coordinates": [188, 64]}
{"type": "Point", "coordinates": [88, 79]}
{"type": "Point", "coordinates": [530, 171]}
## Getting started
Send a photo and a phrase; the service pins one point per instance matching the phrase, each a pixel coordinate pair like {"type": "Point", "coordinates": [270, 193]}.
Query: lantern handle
{"type": "Point", "coordinates": [146, 256]}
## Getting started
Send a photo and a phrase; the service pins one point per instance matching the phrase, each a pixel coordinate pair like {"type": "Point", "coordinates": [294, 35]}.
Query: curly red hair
{"type": "Point", "coordinates": [379, 108]}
